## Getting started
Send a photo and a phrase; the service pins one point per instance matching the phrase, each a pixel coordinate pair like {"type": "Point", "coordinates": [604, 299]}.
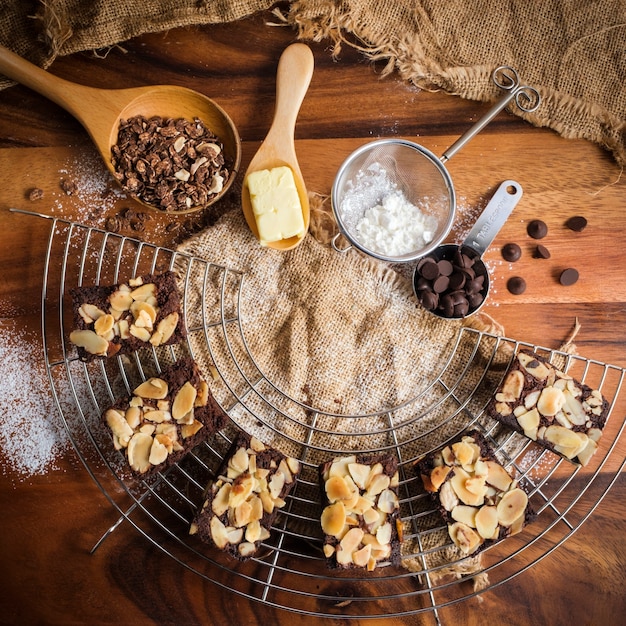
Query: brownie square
{"type": "Point", "coordinates": [480, 502]}
{"type": "Point", "coordinates": [166, 416]}
{"type": "Point", "coordinates": [550, 407]}
{"type": "Point", "coordinates": [360, 512]}
{"type": "Point", "coordinates": [244, 500]}
{"type": "Point", "coordinates": [118, 319]}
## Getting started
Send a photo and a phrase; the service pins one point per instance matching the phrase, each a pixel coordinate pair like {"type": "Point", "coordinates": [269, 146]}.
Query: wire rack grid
{"type": "Point", "coordinates": [290, 571]}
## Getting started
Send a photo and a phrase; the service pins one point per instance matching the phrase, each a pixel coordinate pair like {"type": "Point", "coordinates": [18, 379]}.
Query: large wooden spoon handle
{"type": "Point", "coordinates": [295, 69]}
{"type": "Point", "coordinates": [66, 94]}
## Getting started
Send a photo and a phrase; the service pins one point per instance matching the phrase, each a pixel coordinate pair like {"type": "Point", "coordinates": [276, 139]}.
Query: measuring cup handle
{"type": "Point", "coordinates": [333, 243]}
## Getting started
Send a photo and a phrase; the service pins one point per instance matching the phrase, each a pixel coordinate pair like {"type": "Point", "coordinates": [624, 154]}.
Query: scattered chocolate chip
{"type": "Point", "coordinates": [516, 285]}
{"type": "Point", "coordinates": [35, 194]}
{"type": "Point", "coordinates": [568, 277]}
{"type": "Point", "coordinates": [112, 224]}
{"type": "Point", "coordinates": [511, 252]}
{"type": "Point", "coordinates": [541, 252]}
{"type": "Point", "coordinates": [537, 229]}
{"type": "Point", "coordinates": [577, 223]}
{"type": "Point", "coordinates": [69, 186]}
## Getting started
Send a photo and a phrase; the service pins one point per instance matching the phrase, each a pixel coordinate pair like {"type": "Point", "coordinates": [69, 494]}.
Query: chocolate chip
{"type": "Point", "coordinates": [516, 285]}
{"type": "Point", "coordinates": [35, 194]}
{"type": "Point", "coordinates": [429, 300]}
{"type": "Point", "coordinates": [511, 252]}
{"type": "Point", "coordinates": [430, 271]}
{"type": "Point", "coordinates": [576, 223]}
{"type": "Point", "coordinates": [441, 284]}
{"type": "Point", "coordinates": [537, 229]}
{"type": "Point", "coordinates": [541, 252]}
{"type": "Point", "coordinates": [445, 267]}
{"type": "Point", "coordinates": [568, 277]}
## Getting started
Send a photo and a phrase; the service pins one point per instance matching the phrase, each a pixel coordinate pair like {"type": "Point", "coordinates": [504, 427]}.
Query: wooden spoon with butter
{"type": "Point", "coordinates": [295, 69]}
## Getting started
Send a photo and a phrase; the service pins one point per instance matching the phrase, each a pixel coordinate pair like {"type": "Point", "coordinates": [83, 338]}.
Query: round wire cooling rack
{"type": "Point", "coordinates": [290, 570]}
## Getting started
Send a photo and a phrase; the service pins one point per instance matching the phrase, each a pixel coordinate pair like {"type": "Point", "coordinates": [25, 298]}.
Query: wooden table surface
{"type": "Point", "coordinates": [52, 513]}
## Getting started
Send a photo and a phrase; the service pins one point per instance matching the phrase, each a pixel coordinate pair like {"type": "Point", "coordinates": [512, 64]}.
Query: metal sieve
{"type": "Point", "coordinates": [384, 166]}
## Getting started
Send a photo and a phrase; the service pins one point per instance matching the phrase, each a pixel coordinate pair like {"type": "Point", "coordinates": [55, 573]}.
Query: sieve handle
{"type": "Point", "coordinates": [333, 243]}
{"type": "Point", "coordinates": [527, 99]}
{"type": "Point", "coordinates": [491, 220]}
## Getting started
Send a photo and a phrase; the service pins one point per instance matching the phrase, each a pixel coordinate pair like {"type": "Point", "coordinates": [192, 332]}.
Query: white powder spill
{"type": "Point", "coordinates": [32, 435]}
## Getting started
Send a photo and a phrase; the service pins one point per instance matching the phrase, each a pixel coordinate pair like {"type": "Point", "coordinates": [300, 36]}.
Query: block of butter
{"type": "Point", "coordinates": [276, 204]}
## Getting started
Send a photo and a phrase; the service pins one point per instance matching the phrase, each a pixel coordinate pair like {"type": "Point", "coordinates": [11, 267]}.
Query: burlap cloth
{"type": "Point", "coordinates": [572, 52]}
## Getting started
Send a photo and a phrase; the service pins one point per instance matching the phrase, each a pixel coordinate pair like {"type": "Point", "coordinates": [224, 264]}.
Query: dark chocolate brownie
{"type": "Point", "coordinates": [360, 511]}
{"type": "Point", "coordinates": [550, 407]}
{"type": "Point", "coordinates": [118, 319]}
{"type": "Point", "coordinates": [477, 498]}
{"type": "Point", "coordinates": [247, 495]}
{"type": "Point", "coordinates": [166, 416]}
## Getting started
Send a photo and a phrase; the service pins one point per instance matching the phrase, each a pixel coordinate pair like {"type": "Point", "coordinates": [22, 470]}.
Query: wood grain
{"type": "Point", "coordinates": [51, 521]}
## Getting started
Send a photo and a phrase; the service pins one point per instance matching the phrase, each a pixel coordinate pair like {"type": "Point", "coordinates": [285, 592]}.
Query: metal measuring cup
{"type": "Point", "coordinates": [452, 282]}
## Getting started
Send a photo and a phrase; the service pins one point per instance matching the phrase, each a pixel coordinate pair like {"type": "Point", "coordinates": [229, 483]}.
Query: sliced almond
{"type": "Point", "coordinates": [447, 497]}
{"type": "Point", "coordinates": [157, 416]}
{"type": "Point", "coordinates": [512, 506]}
{"type": "Point", "coordinates": [293, 465]}
{"type": "Point", "coordinates": [511, 387]}
{"type": "Point", "coordinates": [189, 430]}
{"type": "Point", "coordinates": [584, 456]}
{"type": "Point", "coordinates": [465, 539]}
{"type": "Point", "coordinates": [529, 422]}
{"type": "Point", "coordinates": [219, 504]}
{"type": "Point", "coordinates": [438, 476]}
{"type": "Point", "coordinates": [333, 518]}
{"type": "Point", "coordinates": [533, 366]}
{"type": "Point", "coordinates": [142, 334]}
{"type": "Point", "coordinates": [337, 489]}
{"type": "Point", "coordinates": [387, 501]}
{"type": "Point", "coordinates": [218, 532]}
{"type": "Point", "coordinates": [202, 398]}
{"type": "Point", "coordinates": [184, 401]}
{"type": "Point", "coordinates": [139, 451]}
{"type": "Point", "coordinates": [360, 474]}
{"type": "Point", "coordinates": [243, 514]}
{"type": "Point", "coordinates": [458, 481]}
{"type": "Point", "coordinates": [90, 313]}
{"type": "Point", "coordinates": [465, 514]}
{"type": "Point", "coordinates": [133, 416]}
{"type": "Point", "coordinates": [498, 476]}
{"type": "Point", "coordinates": [153, 388]}
{"type": "Point", "coordinates": [563, 437]}
{"type": "Point", "coordinates": [284, 469]}
{"type": "Point", "coordinates": [378, 484]}
{"type": "Point", "coordinates": [361, 557]}
{"type": "Point", "coordinates": [486, 522]}
{"type": "Point", "coordinates": [158, 452]}
{"type": "Point", "coordinates": [351, 540]}
{"type": "Point", "coordinates": [90, 341]}
{"type": "Point", "coordinates": [246, 549]}
{"type": "Point", "coordinates": [239, 461]}
{"type": "Point", "coordinates": [104, 324]}
{"type": "Point", "coordinates": [253, 531]}
{"type": "Point", "coordinates": [383, 534]}
{"type": "Point", "coordinates": [165, 329]}
{"type": "Point", "coordinates": [119, 426]}
{"type": "Point", "coordinates": [144, 292]}
{"type": "Point", "coordinates": [276, 484]}
{"type": "Point", "coordinates": [550, 401]}
{"type": "Point", "coordinates": [240, 490]}
{"type": "Point", "coordinates": [120, 300]}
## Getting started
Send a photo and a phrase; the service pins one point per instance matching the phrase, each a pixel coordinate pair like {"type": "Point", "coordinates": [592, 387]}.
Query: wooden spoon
{"type": "Point", "coordinates": [295, 69]}
{"type": "Point", "coordinates": [100, 110]}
